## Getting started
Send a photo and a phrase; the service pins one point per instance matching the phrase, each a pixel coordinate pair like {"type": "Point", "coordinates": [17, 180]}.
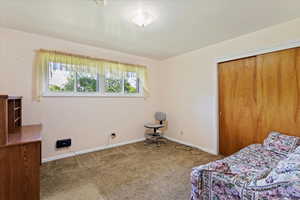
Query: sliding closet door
{"type": "Point", "coordinates": [258, 95]}
{"type": "Point", "coordinates": [237, 104]}
{"type": "Point", "coordinates": [279, 92]}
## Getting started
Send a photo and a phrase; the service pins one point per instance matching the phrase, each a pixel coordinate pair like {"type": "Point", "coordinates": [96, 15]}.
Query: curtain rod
{"type": "Point", "coordinates": [87, 57]}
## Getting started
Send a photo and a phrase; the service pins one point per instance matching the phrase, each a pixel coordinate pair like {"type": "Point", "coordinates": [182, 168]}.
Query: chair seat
{"type": "Point", "coordinates": [154, 125]}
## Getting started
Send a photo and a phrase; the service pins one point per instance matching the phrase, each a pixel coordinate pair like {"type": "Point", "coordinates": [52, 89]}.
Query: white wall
{"type": "Point", "coordinates": [189, 93]}
{"type": "Point", "coordinates": [183, 86]}
{"type": "Point", "coordinates": [87, 120]}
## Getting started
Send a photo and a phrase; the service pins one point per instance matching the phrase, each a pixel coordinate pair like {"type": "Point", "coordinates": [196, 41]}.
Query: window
{"type": "Point", "coordinates": [63, 74]}
{"type": "Point", "coordinates": [124, 82]}
{"type": "Point", "coordinates": [60, 80]}
{"type": "Point", "coordinates": [70, 80]}
{"type": "Point", "coordinates": [131, 84]}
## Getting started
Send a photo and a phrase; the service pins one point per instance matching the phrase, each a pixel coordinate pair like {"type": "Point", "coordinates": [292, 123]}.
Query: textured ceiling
{"type": "Point", "coordinates": [180, 25]}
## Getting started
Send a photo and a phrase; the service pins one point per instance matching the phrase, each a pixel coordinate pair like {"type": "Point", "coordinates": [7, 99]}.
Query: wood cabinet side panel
{"type": "Point", "coordinates": [20, 172]}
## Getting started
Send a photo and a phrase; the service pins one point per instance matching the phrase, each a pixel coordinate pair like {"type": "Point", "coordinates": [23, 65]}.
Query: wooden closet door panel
{"type": "Point", "coordinates": [237, 104]}
{"type": "Point", "coordinates": [278, 92]}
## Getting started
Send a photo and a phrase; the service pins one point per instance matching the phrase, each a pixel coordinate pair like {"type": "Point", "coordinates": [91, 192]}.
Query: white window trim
{"type": "Point", "coordinates": [96, 94]}
{"type": "Point", "coordinates": [100, 93]}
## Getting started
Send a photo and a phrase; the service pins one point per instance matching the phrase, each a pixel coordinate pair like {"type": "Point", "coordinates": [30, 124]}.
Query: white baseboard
{"type": "Point", "coordinates": [192, 145]}
{"type": "Point", "coordinates": [75, 153]}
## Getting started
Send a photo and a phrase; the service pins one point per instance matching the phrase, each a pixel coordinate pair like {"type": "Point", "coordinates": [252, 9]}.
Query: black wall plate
{"type": "Point", "coordinates": [63, 143]}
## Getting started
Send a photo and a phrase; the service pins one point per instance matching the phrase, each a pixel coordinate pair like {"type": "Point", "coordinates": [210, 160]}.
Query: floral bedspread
{"type": "Point", "coordinates": [235, 177]}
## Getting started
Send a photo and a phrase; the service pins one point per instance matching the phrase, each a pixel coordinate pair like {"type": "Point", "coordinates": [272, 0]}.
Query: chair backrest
{"type": "Point", "coordinates": [160, 116]}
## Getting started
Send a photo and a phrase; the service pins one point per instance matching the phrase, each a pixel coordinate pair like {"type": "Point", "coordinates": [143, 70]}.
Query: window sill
{"type": "Point", "coordinates": [92, 95]}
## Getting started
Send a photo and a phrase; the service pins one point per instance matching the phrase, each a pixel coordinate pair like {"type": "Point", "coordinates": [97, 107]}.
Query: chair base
{"type": "Point", "coordinates": [155, 139]}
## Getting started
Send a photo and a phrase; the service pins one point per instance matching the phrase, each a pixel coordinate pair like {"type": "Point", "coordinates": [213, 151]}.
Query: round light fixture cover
{"type": "Point", "coordinates": [142, 18]}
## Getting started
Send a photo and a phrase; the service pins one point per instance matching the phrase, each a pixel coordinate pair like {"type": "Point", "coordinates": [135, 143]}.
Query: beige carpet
{"type": "Point", "coordinates": [131, 172]}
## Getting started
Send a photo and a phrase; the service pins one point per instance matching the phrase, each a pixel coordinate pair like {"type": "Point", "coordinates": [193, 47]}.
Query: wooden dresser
{"type": "Point", "coordinates": [20, 153]}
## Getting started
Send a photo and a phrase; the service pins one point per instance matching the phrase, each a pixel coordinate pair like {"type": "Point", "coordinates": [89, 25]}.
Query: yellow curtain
{"type": "Point", "coordinates": [83, 64]}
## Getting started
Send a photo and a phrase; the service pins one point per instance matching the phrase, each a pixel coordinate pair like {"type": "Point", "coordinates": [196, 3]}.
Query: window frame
{"type": "Point", "coordinates": [100, 86]}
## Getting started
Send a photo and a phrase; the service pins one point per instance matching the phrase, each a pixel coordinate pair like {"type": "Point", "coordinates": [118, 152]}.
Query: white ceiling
{"type": "Point", "coordinates": [180, 25]}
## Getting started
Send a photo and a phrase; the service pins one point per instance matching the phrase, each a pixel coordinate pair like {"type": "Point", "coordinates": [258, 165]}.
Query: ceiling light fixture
{"type": "Point", "coordinates": [142, 18]}
{"type": "Point", "coordinates": [101, 2]}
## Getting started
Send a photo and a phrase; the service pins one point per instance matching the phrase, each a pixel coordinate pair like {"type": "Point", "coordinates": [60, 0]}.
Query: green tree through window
{"type": "Point", "coordinates": [62, 79]}
{"type": "Point", "coordinates": [86, 82]}
{"type": "Point", "coordinates": [113, 85]}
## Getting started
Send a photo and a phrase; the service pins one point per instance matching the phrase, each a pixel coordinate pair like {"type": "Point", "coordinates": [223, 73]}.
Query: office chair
{"type": "Point", "coordinates": [156, 136]}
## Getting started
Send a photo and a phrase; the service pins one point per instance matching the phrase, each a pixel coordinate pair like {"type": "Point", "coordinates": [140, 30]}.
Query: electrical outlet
{"type": "Point", "coordinates": [181, 132]}
{"type": "Point", "coordinates": [113, 135]}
